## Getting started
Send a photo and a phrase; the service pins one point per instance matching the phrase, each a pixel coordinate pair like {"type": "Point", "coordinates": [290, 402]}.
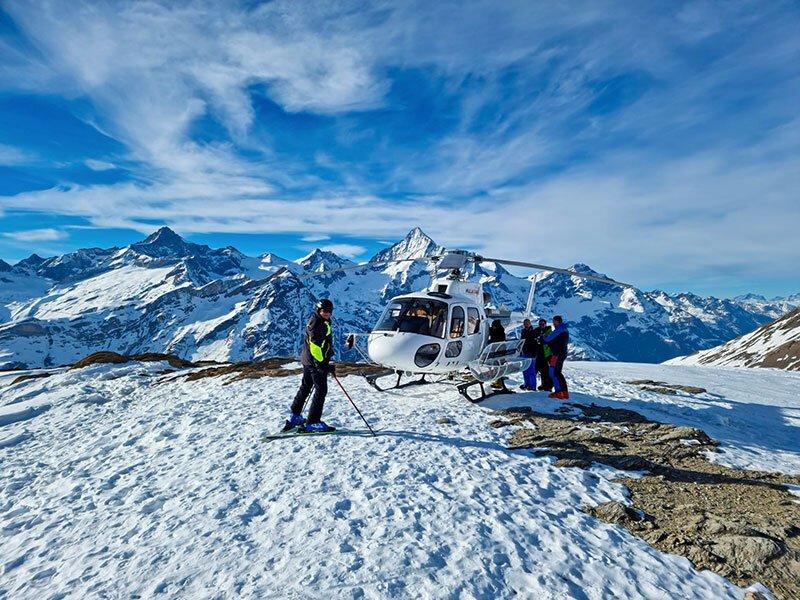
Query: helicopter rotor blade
{"type": "Point", "coordinates": [358, 266]}
{"type": "Point", "coordinates": [517, 263]}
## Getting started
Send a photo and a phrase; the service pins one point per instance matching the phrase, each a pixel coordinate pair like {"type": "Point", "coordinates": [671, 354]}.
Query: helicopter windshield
{"type": "Point", "coordinates": [414, 315]}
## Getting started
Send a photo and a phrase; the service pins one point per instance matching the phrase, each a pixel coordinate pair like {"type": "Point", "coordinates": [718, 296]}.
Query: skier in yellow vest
{"type": "Point", "coordinates": [315, 357]}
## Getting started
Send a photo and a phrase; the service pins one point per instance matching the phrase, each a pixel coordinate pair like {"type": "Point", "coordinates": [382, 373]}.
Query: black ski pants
{"type": "Point", "coordinates": [544, 372]}
{"type": "Point", "coordinates": [318, 380]}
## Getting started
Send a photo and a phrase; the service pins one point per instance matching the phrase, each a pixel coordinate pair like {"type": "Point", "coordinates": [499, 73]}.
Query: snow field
{"type": "Point", "coordinates": [127, 486]}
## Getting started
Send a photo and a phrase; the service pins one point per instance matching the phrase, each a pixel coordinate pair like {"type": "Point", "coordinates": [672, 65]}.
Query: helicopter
{"type": "Point", "coordinates": [443, 331]}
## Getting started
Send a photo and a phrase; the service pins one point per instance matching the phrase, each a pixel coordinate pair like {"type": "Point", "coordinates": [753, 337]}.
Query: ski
{"type": "Point", "coordinates": [298, 433]}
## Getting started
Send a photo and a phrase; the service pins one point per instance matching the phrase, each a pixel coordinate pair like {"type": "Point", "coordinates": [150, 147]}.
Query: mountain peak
{"type": "Point", "coordinates": [323, 260]}
{"type": "Point", "coordinates": [584, 268]}
{"type": "Point", "coordinates": [34, 260]}
{"type": "Point", "coordinates": [417, 233]}
{"type": "Point", "coordinates": [164, 237]}
{"type": "Point", "coordinates": [415, 244]}
{"type": "Point", "coordinates": [4, 266]}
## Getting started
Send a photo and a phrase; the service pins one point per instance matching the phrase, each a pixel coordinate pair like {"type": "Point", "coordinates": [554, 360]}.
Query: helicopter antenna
{"type": "Point", "coordinates": [531, 296]}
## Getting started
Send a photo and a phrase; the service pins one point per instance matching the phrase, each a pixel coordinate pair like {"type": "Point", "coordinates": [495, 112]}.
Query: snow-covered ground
{"type": "Point", "coordinates": [114, 484]}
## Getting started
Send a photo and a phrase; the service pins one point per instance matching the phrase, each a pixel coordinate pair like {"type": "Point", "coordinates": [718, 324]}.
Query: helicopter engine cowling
{"type": "Point", "coordinates": [402, 351]}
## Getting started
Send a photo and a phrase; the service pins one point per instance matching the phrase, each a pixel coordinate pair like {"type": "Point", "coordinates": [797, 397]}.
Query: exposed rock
{"type": "Point", "coordinates": [740, 524]}
{"type": "Point", "coordinates": [618, 513]}
{"type": "Point", "coordinates": [580, 463]}
{"type": "Point", "coordinates": [661, 387]}
{"type": "Point", "coordinates": [750, 595]}
{"type": "Point", "coordinates": [746, 553]}
{"type": "Point", "coordinates": [660, 390]}
{"type": "Point", "coordinates": [100, 358]}
{"type": "Point", "coordinates": [272, 367]}
{"type": "Point", "coordinates": [28, 376]}
{"type": "Point", "coordinates": [444, 421]}
{"type": "Point", "coordinates": [115, 358]}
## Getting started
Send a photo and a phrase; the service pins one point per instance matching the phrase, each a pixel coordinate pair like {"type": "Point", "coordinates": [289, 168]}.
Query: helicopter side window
{"type": "Point", "coordinates": [473, 321]}
{"type": "Point", "coordinates": [457, 322]}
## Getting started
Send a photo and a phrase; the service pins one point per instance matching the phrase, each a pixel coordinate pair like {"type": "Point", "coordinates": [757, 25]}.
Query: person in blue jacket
{"type": "Point", "coordinates": [558, 341]}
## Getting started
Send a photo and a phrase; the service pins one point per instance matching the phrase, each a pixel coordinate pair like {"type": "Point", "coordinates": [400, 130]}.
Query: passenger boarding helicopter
{"type": "Point", "coordinates": [444, 330]}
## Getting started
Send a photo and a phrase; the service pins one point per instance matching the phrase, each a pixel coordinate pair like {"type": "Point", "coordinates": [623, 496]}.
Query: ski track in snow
{"type": "Point", "coordinates": [129, 487]}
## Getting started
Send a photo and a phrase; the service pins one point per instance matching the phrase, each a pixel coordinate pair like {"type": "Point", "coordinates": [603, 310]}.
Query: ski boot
{"type": "Point", "coordinates": [320, 427]}
{"type": "Point", "coordinates": [294, 421]}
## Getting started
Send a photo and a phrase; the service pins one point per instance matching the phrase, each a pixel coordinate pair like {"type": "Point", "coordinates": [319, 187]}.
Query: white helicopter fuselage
{"type": "Point", "coordinates": [436, 331]}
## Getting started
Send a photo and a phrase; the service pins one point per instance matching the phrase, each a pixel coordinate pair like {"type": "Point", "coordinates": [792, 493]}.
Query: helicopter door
{"type": "Point", "coordinates": [473, 344]}
{"type": "Point", "coordinates": [455, 335]}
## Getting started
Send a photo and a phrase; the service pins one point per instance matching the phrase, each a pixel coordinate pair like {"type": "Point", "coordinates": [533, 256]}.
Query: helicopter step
{"type": "Point", "coordinates": [372, 379]}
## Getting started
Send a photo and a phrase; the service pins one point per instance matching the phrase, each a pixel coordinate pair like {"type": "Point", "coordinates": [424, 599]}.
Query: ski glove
{"type": "Point", "coordinates": [331, 369]}
{"type": "Point", "coordinates": [553, 360]}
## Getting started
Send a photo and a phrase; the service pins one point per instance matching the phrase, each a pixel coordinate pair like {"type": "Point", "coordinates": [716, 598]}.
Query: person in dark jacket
{"type": "Point", "coordinates": [316, 360]}
{"type": "Point", "coordinates": [543, 354]}
{"type": "Point", "coordinates": [530, 346]}
{"type": "Point", "coordinates": [558, 342]}
{"type": "Point", "coordinates": [496, 332]}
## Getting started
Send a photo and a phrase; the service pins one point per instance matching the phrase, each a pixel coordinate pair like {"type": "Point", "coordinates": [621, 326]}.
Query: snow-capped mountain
{"type": "Point", "coordinates": [775, 344]}
{"type": "Point", "coordinates": [774, 307]}
{"type": "Point", "coordinates": [169, 295]}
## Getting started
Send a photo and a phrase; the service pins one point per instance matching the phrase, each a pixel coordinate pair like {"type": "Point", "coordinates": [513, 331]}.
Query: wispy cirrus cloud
{"type": "Point", "coordinates": [346, 250]}
{"type": "Point", "coordinates": [10, 156]}
{"type": "Point", "coordinates": [99, 165]}
{"type": "Point", "coordinates": [36, 235]}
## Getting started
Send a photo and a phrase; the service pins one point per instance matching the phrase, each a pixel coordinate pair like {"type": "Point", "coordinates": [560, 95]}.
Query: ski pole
{"type": "Point", "coordinates": [354, 405]}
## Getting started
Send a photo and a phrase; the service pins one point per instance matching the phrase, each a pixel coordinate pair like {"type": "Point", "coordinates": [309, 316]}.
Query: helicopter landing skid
{"type": "Point", "coordinates": [463, 387]}
{"type": "Point", "coordinates": [372, 380]}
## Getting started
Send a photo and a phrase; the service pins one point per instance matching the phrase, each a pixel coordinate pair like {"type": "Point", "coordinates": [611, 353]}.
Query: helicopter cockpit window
{"type": "Point", "coordinates": [414, 315]}
{"type": "Point", "coordinates": [457, 322]}
{"type": "Point", "coordinates": [473, 320]}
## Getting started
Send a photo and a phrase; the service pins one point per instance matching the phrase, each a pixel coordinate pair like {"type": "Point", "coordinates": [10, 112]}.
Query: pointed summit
{"type": "Point", "coordinates": [323, 260]}
{"type": "Point", "coordinates": [164, 237]}
{"type": "Point", "coordinates": [416, 244]}
{"type": "Point", "coordinates": [165, 243]}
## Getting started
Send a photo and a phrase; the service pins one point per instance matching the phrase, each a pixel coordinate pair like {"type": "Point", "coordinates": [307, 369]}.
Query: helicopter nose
{"type": "Point", "coordinates": [383, 348]}
{"type": "Point", "coordinates": [395, 351]}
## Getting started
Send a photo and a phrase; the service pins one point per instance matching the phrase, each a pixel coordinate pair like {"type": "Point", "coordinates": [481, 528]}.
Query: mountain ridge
{"type": "Point", "coordinates": [167, 294]}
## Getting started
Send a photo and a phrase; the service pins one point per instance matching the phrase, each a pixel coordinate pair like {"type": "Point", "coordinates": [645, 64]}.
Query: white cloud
{"type": "Point", "coordinates": [315, 238]}
{"type": "Point", "coordinates": [346, 250]}
{"type": "Point", "coordinates": [11, 157]}
{"type": "Point", "coordinates": [99, 165]}
{"type": "Point", "coordinates": [36, 235]}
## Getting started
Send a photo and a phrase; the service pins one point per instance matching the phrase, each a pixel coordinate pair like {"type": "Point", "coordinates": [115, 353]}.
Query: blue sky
{"type": "Point", "coordinates": [657, 142]}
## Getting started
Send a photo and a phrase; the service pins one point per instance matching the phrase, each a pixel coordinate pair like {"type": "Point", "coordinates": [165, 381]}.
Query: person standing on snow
{"type": "Point", "coordinates": [530, 345]}
{"type": "Point", "coordinates": [315, 357]}
{"type": "Point", "coordinates": [543, 354]}
{"type": "Point", "coordinates": [497, 333]}
{"type": "Point", "coordinates": [558, 342]}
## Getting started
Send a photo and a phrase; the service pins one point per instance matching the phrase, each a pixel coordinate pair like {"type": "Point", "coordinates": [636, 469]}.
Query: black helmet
{"type": "Point", "coordinates": [325, 305]}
